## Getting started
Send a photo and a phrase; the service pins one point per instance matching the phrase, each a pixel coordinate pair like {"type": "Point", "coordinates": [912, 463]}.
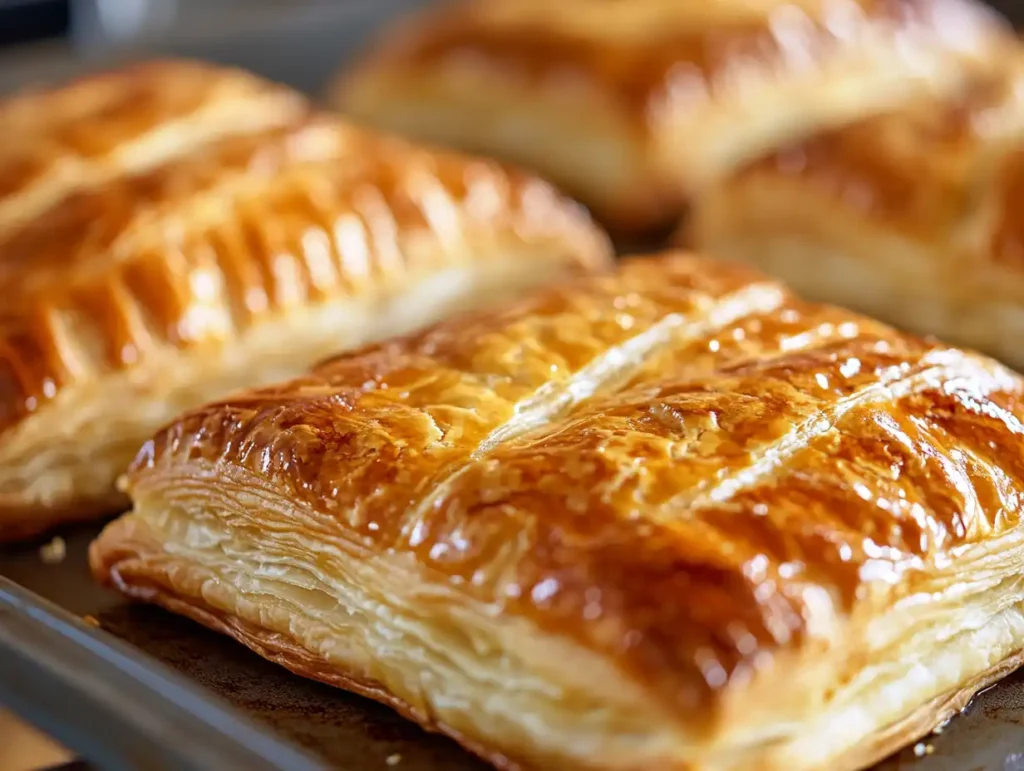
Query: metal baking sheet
{"type": "Point", "coordinates": [123, 709]}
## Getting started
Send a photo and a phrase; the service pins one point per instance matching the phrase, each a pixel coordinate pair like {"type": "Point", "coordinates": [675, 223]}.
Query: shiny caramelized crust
{"type": "Point", "coordinates": [196, 230]}
{"type": "Point", "coordinates": [912, 216]}
{"type": "Point", "coordinates": [633, 105]}
{"type": "Point", "coordinates": [673, 518]}
{"type": "Point", "coordinates": [102, 127]}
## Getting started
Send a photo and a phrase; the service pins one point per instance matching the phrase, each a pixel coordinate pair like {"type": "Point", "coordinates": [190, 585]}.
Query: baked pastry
{"type": "Point", "coordinates": [173, 231]}
{"type": "Point", "coordinates": [670, 519]}
{"type": "Point", "coordinates": [634, 105]}
{"type": "Point", "coordinates": [912, 217]}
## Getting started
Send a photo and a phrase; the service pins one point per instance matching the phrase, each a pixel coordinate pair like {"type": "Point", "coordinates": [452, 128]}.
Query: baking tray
{"type": "Point", "coordinates": [127, 711]}
{"type": "Point", "coordinates": [232, 690]}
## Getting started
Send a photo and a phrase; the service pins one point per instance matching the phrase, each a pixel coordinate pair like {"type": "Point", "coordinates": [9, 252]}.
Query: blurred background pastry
{"type": "Point", "coordinates": [913, 216]}
{"type": "Point", "coordinates": [635, 107]}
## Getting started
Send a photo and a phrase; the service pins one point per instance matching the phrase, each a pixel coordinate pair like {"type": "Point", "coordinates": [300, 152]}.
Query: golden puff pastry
{"type": "Point", "coordinates": [673, 518]}
{"type": "Point", "coordinates": [174, 231]}
{"type": "Point", "coordinates": [913, 217]}
{"type": "Point", "coordinates": [634, 105]}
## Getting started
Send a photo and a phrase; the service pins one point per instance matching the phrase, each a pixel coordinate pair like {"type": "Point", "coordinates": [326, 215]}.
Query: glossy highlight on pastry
{"type": "Point", "coordinates": [670, 518]}
{"type": "Point", "coordinates": [634, 106]}
{"type": "Point", "coordinates": [172, 231]}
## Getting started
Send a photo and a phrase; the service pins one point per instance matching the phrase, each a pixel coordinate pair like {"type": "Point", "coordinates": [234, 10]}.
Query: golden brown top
{"type": "Point", "coordinates": [661, 54]}
{"type": "Point", "coordinates": [181, 203]}
{"type": "Point", "coordinates": [938, 170]}
{"type": "Point", "coordinates": [124, 121]}
{"type": "Point", "coordinates": [681, 466]}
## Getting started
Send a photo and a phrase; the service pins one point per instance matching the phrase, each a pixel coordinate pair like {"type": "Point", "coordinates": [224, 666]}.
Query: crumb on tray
{"type": "Point", "coordinates": [53, 552]}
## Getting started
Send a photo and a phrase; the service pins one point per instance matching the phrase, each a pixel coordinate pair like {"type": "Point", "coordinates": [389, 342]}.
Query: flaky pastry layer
{"type": "Point", "coordinates": [196, 231]}
{"type": "Point", "coordinates": [635, 106]}
{"type": "Point", "coordinates": [671, 518]}
{"type": "Point", "coordinates": [912, 216]}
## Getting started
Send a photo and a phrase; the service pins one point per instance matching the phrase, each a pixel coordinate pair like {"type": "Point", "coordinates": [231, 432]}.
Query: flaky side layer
{"type": "Point", "coordinates": [509, 691]}
{"type": "Point", "coordinates": [502, 688]}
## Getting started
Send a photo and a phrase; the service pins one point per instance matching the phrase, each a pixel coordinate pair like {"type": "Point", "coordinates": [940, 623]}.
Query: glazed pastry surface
{"type": "Point", "coordinates": [173, 231]}
{"type": "Point", "coordinates": [912, 216]}
{"type": "Point", "coordinates": [635, 106]}
{"type": "Point", "coordinates": [672, 518]}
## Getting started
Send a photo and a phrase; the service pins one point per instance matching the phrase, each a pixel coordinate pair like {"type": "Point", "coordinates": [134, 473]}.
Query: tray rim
{"type": "Point", "coordinates": [113, 704]}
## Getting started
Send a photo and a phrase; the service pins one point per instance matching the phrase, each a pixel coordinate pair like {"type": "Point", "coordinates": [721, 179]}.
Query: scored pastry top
{"type": "Point", "coordinates": [654, 55]}
{"type": "Point", "coordinates": [682, 467]}
{"type": "Point", "coordinates": [174, 203]}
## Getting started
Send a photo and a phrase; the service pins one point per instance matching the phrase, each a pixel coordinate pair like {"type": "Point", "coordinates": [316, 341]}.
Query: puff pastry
{"type": "Point", "coordinates": [173, 231]}
{"type": "Point", "coordinates": [669, 519]}
{"type": "Point", "coordinates": [913, 216]}
{"type": "Point", "coordinates": [634, 105]}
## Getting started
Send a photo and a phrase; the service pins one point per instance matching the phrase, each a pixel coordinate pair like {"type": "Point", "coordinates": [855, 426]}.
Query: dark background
{"type": "Point", "coordinates": [24, 21]}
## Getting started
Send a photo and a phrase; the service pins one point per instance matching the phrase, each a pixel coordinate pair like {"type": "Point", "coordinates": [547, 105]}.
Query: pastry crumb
{"type": "Point", "coordinates": [91, 621]}
{"type": "Point", "coordinates": [394, 760]}
{"type": "Point", "coordinates": [53, 552]}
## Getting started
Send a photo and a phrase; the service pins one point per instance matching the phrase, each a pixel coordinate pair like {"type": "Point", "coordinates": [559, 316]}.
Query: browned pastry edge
{"type": "Point", "coordinates": [928, 717]}
{"type": "Point", "coordinates": [146, 585]}
{"type": "Point", "coordinates": [125, 569]}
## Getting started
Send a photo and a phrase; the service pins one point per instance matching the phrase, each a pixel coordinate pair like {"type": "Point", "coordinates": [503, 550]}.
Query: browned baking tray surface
{"type": "Point", "coordinates": [354, 733]}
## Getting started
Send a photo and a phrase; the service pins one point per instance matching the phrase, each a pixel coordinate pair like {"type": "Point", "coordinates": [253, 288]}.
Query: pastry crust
{"type": "Point", "coordinates": [912, 216]}
{"type": "Point", "coordinates": [108, 125]}
{"type": "Point", "coordinates": [635, 106]}
{"type": "Point", "coordinates": [195, 230]}
{"type": "Point", "coordinates": [673, 518]}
